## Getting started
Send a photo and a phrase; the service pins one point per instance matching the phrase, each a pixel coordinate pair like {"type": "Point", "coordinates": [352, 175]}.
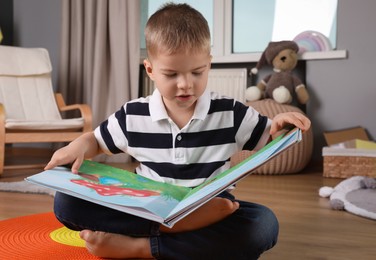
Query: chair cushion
{"type": "Point", "coordinates": [28, 98]}
{"type": "Point", "coordinates": [63, 124]}
{"type": "Point", "coordinates": [292, 160]}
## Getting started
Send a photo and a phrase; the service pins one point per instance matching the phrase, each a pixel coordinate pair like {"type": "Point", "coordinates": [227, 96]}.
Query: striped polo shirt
{"type": "Point", "coordinates": [219, 127]}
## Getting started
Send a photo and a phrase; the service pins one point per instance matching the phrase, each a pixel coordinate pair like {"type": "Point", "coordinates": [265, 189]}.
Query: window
{"type": "Point", "coordinates": [241, 29]}
{"type": "Point", "coordinates": [280, 20]}
{"type": "Point", "coordinates": [150, 7]}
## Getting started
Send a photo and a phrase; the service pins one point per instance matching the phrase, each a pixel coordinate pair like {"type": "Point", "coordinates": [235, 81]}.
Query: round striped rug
{"type": "Point", "coordinates": [40, 236]}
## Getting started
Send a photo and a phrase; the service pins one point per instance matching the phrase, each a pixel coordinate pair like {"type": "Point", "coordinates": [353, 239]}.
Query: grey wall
{"type": "Point", "coordinates": [36, 23]}
{"type": "Point", "coordinates": [344, 91]}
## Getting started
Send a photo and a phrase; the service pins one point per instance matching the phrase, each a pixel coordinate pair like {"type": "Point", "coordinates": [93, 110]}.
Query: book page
{"type": "Point", "coordinates": [115, 187]}
{"type": "Point", "coordinates": [223, 180]}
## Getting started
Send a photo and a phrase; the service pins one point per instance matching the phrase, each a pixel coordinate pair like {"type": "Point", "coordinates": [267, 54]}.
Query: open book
{"type": "Point", "coordinates": [165, 203]}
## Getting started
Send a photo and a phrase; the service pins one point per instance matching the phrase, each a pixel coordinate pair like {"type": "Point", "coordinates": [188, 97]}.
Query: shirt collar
{"type": "Point", "coordinates": [158, 110]}
{"type": "Point", "coordinates": [202, 106]}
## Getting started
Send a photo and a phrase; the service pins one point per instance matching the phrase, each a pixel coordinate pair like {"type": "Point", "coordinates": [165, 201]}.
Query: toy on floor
{"type": "Point", "coordinates": [356, 194]}
{"type": "Point", "coordinates": [281, 85]}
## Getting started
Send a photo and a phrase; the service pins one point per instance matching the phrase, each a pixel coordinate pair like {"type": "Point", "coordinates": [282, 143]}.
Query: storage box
{"type": "Point", "coordinates": [344, 163]}
{"type": "Point", "coordinates": [349, 154]}
{"type": "Point", "coordinates": [339, 136]}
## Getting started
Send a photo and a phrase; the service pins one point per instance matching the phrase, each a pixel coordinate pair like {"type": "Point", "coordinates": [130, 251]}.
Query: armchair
{"type": "Point", "coordinates": [30, 111]}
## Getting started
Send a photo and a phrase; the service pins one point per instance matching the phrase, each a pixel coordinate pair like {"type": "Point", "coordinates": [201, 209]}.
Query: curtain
{"type": "Point", "coordinates": [100, 54]}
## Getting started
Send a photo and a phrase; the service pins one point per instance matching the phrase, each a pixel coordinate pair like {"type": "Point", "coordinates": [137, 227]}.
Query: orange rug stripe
{"type": "Point", "coordinates": [29, 237]}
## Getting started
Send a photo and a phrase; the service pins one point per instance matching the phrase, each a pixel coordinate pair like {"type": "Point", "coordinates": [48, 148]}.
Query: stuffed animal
{"type": "Point", "coordinates": [281, 85]}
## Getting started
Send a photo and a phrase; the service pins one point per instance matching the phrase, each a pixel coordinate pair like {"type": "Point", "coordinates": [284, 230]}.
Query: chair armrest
{"type": "Point", "coordinates": [84, 109]}
{"type": "Point", "coordinates": [2, 113]}
{"type": "Point", "coordinates": [2, 129]}
{"type": "Point", "coordinates": [2, 137]}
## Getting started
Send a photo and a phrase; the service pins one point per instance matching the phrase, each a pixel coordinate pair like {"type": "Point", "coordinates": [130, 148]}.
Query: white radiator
{"type": "Point", "coordinates": [228, 82]}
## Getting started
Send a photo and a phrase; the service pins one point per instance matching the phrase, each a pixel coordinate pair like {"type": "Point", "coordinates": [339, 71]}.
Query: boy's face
{"type": "Point", "coordinates": [181, 78]}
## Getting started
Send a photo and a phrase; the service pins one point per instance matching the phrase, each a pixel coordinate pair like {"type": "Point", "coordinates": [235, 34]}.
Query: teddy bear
{"type": "Point", "coordinates": [281, 85]}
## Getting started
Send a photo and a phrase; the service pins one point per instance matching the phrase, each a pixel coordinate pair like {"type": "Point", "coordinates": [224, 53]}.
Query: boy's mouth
{"type": "Point", "coordinates": [184, 97]}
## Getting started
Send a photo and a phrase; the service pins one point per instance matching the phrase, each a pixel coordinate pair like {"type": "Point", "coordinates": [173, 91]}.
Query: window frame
{"type": "Point", "coordinates": [222, 40]}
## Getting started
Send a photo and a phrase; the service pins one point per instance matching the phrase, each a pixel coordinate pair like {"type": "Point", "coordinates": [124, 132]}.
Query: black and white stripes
{"type": "Point", "coordinates": [219, 128]}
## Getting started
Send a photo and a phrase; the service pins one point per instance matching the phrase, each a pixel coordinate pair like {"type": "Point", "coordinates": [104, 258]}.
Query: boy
{"type": "Point", "coordinates": [182, 134]}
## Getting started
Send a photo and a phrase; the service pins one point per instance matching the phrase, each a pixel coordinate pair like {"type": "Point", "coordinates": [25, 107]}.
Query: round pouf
{"type": "Point", "coordinates": [292, 160]}
{"type": "Point", "coordinates": [39, 237]}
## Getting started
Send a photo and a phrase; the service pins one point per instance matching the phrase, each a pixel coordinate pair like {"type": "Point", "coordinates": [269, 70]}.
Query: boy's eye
{"type": "Point", "coordinates": [197, 73]}
{"type": "Point", "coordinates": [170, 75]}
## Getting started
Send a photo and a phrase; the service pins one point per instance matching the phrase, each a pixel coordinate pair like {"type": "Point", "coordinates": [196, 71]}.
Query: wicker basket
{"type": "Point", "coordinates": [292, 160]}
{"type": "Point", "coordinates": [344, 163]}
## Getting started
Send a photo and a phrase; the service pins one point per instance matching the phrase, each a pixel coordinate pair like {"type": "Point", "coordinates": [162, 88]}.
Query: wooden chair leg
{"type": "Point", "coordinates": [1, 159]}
{"type": "Point", "coordinates": [2, 153]}
{"type": "Point", "coordinates": [2, 138]}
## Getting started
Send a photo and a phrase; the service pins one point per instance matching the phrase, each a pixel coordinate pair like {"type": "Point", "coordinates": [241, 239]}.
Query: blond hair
{"type": "Point", "coordinates": [177, 27]}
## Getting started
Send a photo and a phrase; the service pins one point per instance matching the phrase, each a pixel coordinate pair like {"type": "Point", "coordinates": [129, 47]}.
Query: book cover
{"type": "Point", "coordinates": [162, 202]}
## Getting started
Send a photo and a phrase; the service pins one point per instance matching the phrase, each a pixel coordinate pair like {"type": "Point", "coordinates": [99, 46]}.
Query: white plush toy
{"type": "Point", "coordinates": [337, 194]}
{"type": "Point", "coordinates": [356, 195]}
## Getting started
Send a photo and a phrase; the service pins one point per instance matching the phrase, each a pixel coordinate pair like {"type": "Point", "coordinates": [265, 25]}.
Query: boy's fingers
{"type": "Point", "coordinates": [51, 164]}
{"type": "Point", "coordinates": [76, 165]}
{"type": "Point", "coordinates": [304, 122]}
{"type": "Point", "coordinates": [294, 118]}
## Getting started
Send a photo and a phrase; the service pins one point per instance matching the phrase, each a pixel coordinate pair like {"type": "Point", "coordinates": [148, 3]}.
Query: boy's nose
{"type": "Point", "coordinates": [185, 82]}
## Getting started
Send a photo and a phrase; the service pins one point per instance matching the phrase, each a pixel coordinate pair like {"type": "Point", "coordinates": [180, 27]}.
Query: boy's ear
{"type": "Point", "coordinates": [148, 68]}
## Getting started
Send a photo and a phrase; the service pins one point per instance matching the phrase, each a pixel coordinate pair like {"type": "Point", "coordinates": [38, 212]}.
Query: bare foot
{"type": "Point", "coordinates": [110, 245]}
{"type": "Point", "coordinates": [211, 212]}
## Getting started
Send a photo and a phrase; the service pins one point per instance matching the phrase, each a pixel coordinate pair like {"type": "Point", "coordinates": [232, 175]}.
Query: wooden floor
{"type": "Point", "coordinates": [309, 229]}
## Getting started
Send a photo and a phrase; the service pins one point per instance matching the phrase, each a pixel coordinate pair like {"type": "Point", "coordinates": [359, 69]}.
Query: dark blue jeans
{"type": "Point", "coordinates": [245, 234]}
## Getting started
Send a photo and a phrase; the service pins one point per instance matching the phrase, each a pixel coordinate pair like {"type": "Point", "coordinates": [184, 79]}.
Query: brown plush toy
{"type": "Point", "coordinates": [281, 85]}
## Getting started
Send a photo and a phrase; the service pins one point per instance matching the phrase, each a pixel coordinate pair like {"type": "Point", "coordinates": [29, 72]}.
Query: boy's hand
{"type": "Point", "coordinates": [66, 155]}
{"type": "Point", "coordinates": [289, 118]}
{"type": "Point", "coordinates": [85, 146]}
